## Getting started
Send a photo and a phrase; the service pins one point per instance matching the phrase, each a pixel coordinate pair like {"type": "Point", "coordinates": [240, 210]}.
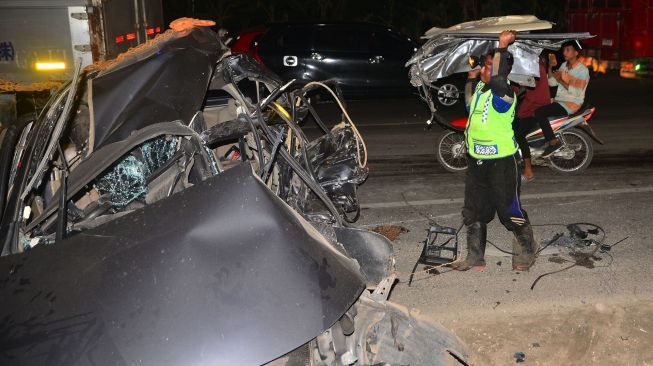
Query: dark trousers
{"type": "Point", "coordinates": [493, 186]}
{"type": "Point", "coordinates": [542, 115]}
{"type": "Point", "coordinates": [522, 127]}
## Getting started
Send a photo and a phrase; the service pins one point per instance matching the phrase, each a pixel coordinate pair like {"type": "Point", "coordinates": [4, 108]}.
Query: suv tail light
{"type": "Point", "coordinates": [247, 42]}
{"type": "Point", "coordinates": [254, 52]}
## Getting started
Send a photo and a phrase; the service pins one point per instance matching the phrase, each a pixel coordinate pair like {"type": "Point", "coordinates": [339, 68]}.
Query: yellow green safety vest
{"type": "Point", "coordinates": [489, 134]}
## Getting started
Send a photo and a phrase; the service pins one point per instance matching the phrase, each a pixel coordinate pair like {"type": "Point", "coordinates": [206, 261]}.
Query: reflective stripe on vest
{"type": "Point", "coordinates": [489, 134]}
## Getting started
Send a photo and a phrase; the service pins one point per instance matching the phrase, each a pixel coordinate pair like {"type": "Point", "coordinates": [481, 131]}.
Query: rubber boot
{"type": "Point", "coordinates": [476, 239]}
{"type": "Point", "coordinates": [525, 248]}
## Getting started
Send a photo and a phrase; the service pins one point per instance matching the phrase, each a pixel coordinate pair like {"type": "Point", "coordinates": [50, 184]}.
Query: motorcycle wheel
{"type": "Point", "coordinates": [450, 151]}
{"type": "Point", "coordinates": [576, 154]}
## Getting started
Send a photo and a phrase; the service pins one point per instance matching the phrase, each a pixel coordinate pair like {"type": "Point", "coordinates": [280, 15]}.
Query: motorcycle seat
{"type": "Point", "coordinates": [583, 108]}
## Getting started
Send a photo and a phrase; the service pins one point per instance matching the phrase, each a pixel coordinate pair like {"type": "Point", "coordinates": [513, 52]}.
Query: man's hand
{"type": "Point", "coordinates": [557, 75]}
{"type": "Point", "coordinates": [506, 38]}
{"type": "Point", "coordinates": [473, 74]}
{"type": "Point", "coordinates": [564, 76]}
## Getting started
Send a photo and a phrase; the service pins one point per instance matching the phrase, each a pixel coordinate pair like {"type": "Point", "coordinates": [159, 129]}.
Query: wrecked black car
{"type": "Point", "coordinates": [129, 236]}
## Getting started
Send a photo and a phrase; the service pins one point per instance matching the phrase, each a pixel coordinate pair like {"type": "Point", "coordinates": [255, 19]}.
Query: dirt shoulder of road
{"type": "Point", "coordinates": [614, 332]}
{"type": "Point", "coordinates": [600, 314]}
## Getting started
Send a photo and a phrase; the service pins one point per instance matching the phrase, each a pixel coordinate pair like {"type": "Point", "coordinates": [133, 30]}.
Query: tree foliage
{"type": "Point", "coordinates": [413, 17]}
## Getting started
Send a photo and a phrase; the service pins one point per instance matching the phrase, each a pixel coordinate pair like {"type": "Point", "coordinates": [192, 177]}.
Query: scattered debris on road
{"type": "Point", "coordinates": [585, 242]}
{"type": "Point", "coordinates": [520, 357]}
{"type": "Point", "coordinates": [391, 232]}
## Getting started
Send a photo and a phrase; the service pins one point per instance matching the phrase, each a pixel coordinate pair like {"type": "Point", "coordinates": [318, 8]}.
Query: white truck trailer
{"type": "Point", "coordinates": [41, 40]}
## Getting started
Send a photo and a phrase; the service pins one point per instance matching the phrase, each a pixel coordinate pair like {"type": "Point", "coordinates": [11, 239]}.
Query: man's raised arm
{"type": "Point", "coordinates": [501, 66]}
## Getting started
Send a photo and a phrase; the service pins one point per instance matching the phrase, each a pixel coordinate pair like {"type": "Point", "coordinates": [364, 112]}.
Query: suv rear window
{"type": "Point", "coordinates": [392, 43]}
{"type": "Point", "coordinates": [295, 37]}
{"type": "Point", "coordinates": [342, 39]}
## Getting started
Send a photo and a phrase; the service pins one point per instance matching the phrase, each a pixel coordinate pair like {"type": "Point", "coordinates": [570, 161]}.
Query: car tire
{"type": "Point", "coordinates": [448, 94]}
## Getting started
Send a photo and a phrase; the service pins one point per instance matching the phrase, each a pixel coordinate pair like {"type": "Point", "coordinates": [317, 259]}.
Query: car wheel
{"type": "Point", "coordinates": [448, 94]}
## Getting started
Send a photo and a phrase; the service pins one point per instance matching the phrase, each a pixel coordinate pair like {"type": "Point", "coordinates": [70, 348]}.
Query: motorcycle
{"type": "Point", "coordinates": [456, 50]}
{"type": "Point", "coordinates": [573, 131]}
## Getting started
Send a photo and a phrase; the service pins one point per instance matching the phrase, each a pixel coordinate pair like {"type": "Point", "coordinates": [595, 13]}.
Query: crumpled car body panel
{"type": "Point", "coordinates": [333, 158]}
{"type": "Point", "coordinates": [141, 289]}
{"type": "Point", "coordinates": [169, 84]}
{"type": "Point", "coordinates": [450, 57]}
{"type": "Point", "coordinates": [447, 50]}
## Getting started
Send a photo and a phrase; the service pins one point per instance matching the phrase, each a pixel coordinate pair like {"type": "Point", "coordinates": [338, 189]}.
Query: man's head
{"type": "Point", "coordinates": [488, 64]}
{"type": "Point", "coordinates": [486, 68]}
{"type": "Point", "coordinates": [570, 50]}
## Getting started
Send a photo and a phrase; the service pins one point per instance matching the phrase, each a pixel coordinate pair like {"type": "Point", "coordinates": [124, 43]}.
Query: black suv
{"type": "Point", "coordinates": [362, 58]}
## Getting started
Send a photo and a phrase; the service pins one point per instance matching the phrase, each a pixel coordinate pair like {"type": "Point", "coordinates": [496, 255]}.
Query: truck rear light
{"type": "Point", "coordinates": [120, 39]}
{"type": "Point", "coordinates": [47, 66]}
{"type": "Point", "coordinates": [157, 30]}
{"type": "Point", "coordinates": [131, 36]}
{"type": "Point", "coordinates": [149, 31]}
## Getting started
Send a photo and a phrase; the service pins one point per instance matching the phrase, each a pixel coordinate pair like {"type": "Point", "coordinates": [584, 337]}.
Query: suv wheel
{"type": "Point", "coordinates": [448, 94]}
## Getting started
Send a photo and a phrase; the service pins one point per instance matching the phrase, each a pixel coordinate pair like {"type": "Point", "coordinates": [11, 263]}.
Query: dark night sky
{"type": "Point", "coordinates": [412, 17]}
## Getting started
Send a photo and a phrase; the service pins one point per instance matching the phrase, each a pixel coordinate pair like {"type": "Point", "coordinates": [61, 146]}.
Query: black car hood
{"type": "Point", "coordinates": [164, 82]}
{"type": "Point", "coordinates": [223, 273]}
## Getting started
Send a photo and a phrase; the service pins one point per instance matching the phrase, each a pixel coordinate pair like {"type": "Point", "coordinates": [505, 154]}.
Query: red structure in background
{"type": "Point", "coordinates": [623, 29]}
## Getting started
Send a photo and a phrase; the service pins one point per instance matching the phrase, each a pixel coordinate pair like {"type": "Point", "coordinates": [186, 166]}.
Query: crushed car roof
{"type": "Point", "coordinates": [520, 23]}
{"type": "Point", "coordinates": [447, 51]}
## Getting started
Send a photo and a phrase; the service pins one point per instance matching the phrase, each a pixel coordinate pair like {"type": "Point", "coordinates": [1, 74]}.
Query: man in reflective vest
{"type": "Point", "coordinates": [492, 183]}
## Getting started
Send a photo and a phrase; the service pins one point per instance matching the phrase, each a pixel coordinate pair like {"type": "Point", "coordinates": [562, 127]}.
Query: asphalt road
{"type": "Point", "coordinates": [575, 316]}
